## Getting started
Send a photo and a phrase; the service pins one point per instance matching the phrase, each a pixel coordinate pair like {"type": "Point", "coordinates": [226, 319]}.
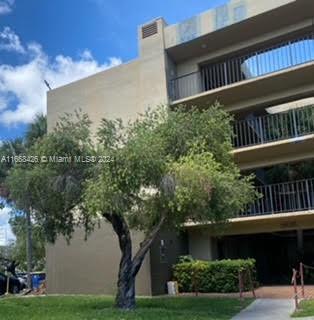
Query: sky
{"type": "Point", "coordinates": [63, 41]}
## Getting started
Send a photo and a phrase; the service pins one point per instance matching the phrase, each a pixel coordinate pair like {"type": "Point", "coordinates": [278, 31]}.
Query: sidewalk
{"type": "Point", "coordinates": [269, 309]}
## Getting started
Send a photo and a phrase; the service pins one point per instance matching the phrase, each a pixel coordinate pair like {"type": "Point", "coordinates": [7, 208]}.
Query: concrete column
{"type": "Point", "coordinates": [201, 245]}
{"type": "Point", "coordinates": [300, 241]}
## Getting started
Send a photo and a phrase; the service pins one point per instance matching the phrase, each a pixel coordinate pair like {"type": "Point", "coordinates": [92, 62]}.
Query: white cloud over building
{"type": "Point", "coordinates": [22, 88]}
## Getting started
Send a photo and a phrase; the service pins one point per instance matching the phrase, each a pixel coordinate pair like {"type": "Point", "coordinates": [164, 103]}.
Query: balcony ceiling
{"type": "Point", "coordinates": [267, 154]}
{"type": "Point", "coordinates": [254, 27]}
{"type": "Point", "coordinates": [264, 223]}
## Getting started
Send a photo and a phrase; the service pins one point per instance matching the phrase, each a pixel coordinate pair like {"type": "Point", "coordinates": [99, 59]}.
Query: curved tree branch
{"type": "Point", "coordinates": [145, 245]}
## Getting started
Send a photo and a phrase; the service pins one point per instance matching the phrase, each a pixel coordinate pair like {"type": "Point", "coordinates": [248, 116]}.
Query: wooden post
{"type": "Point", "coordinates": [295, 289]}
{"type": "Point", "coordinates": [240, 285]}
{"type": "Point", "coordinates": [195, 284]}
{"type": "Point", "coordinates": [251, 283]}
{"type": "Point", "coordinates": [302, 278]}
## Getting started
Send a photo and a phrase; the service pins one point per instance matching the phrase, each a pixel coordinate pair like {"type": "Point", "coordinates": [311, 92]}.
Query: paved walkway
{"type": "Point", "coordinates": [270, 292]}
{"type": "Point", "coordinates": [269, 309]}
{"type": "Point", "coordinates": [280, 292]}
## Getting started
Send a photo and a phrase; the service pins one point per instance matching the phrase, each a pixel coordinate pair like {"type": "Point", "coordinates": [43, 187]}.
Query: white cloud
{"type": "Point", "coordinates": [6, 6]}
{"type": "Point", "coordinates": [9, 41]}
{"type": "Point", "coordinates": [4, 215]}
{"type": "Point", "coordinates": [25, 83]}
{"type": "Point", "coordinates": [5, 227]}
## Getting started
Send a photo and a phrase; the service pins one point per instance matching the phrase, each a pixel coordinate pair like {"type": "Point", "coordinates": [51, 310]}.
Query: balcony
{"type": "Point", "coordinates": [294, 52]}
{"type": "Point", "coordinates": [292, 124]}
{"type": "Point", "coordinates": [275, 138]}
{"type": "Point", "coordinates": [297, 196]}
{"type": "Point", "coordinates": [282, 206]}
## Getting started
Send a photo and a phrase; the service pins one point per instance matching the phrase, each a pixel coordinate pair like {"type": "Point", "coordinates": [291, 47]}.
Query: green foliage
{"type": "Point", "coordinates": [16, 191]}
{"type": "Point", "coordinates": [19, 227]}
{"type": "Point", "coordinates": [306, 310]}
{"type": "Point", "coordinates": [289, 172]}
{"type": "Point", "coordinates": [53, 188]}
{"type": "Point", "coordinates": [100, 308]}
{"type": "Point", "coordinates": [36, 130]}
{"type": "Point", "coordinates": [18, 147]}
{"type": "Point", "coordinates": [176, 164]}
{"type": "Point", "coordinates": [213, 276]}
{"type": "Point", "coordinates": [204, 185]}
{"type": "Point", "coordinates": [170, 165]}
{"type": "Point", "coordinates": [6, 254]}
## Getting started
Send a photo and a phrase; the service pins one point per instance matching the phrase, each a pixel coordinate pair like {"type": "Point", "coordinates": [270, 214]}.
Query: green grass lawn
{"type": "Point", "coordinates": [97, 307]}
{"type": "Point", "coordinates": [306, 309]}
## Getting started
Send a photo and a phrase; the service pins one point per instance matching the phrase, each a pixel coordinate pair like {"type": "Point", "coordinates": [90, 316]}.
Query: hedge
{"type": "Point", "coordinates": [212, 276]}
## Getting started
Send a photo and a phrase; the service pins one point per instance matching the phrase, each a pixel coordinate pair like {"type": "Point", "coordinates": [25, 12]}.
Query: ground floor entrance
{"type": "Point", "coordinates": [275, 253]}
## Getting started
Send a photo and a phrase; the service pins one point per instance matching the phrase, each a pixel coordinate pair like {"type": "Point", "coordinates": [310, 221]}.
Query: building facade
{"type": "Point", "coordinates": [256, 58]}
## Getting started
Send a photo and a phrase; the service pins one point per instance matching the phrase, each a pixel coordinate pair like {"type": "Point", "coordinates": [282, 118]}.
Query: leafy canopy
{"type": "Point", "coordinates": [167, 165]}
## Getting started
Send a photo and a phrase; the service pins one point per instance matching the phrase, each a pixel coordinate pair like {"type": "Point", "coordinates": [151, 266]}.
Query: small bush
{"type": "Point", "coordinates": [213, 276]}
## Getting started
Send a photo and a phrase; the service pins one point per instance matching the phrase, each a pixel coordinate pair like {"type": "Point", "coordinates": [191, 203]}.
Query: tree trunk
{"type": "Point", "coordinates": [129, 266]}
{"type": "Point", "coordinates": [125, 298]}
{"type": "Point", "coordinates": [29, 249]}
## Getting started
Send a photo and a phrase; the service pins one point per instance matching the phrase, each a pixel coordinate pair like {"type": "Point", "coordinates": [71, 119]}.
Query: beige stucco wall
{"type": "Point", "coordinates": [201, 244]}
{"type": "Point", "coordinates": [121, 92]}
{"type": "Point", "coordinates": [90, 267]}
{"type": "Point", "coordinates": [113, 93]}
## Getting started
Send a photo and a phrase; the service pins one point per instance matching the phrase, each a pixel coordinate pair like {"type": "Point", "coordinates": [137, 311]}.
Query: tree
{"type": "Point", "coordinates": [6, 256]}
{"type": "Point", "coordinates": [165, 168]}
{"type": "Point", "coordinates": [18, 225]}
{"type": "Point", "coordinates": [9, 152]}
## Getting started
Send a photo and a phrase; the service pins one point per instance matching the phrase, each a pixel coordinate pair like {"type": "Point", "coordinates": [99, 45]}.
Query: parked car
{"type": "Point", "coordinates": [37, 279]}
{"type": "Point", "coordinates": [22, 276]}
{"type": "Point", "coordinates": [14, 284]}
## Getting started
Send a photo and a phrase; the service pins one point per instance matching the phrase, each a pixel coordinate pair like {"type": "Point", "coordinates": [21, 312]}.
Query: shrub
{"type": "Point", "coordinates": [212, 276]}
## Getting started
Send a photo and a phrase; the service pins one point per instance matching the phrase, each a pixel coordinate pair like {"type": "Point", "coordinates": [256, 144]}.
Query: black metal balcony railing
{"type": "Point", "coordinates": [274, 127]}
{"type": "Point", "coordinates": [283, 198]}
{"type": "Point", "coordinates": [296, 51]}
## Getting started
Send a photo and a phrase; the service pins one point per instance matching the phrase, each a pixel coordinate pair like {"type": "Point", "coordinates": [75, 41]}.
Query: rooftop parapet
{"type": "Point", "coordinates": [215, 19]}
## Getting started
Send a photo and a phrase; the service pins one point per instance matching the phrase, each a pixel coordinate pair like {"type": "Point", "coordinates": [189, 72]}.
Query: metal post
{"type": "Point", "coordinates": [308, 194]}
{"type": "Point", "coordinates": [261, 129]}
{"type": "Point", "coordinates": [226, 73]}
{"type": "Point", "coordinates": [271, 198]}
{"type": "Point", "coordinates": [290, 53]}
{"type": "Point", "coordinates": [257, 64]}
{"type": "Point", "coordinates": [295, 128]}
{"type": "Point", "coordinates": [302, 279]}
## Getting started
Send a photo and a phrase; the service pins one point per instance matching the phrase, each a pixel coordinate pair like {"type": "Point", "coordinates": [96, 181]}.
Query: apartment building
{"type": "Point", "coordinates": [257, 59]}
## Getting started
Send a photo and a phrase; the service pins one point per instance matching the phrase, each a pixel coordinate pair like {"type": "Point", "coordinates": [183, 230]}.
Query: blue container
{"type": "Point", "coordinates": [36, 281]}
